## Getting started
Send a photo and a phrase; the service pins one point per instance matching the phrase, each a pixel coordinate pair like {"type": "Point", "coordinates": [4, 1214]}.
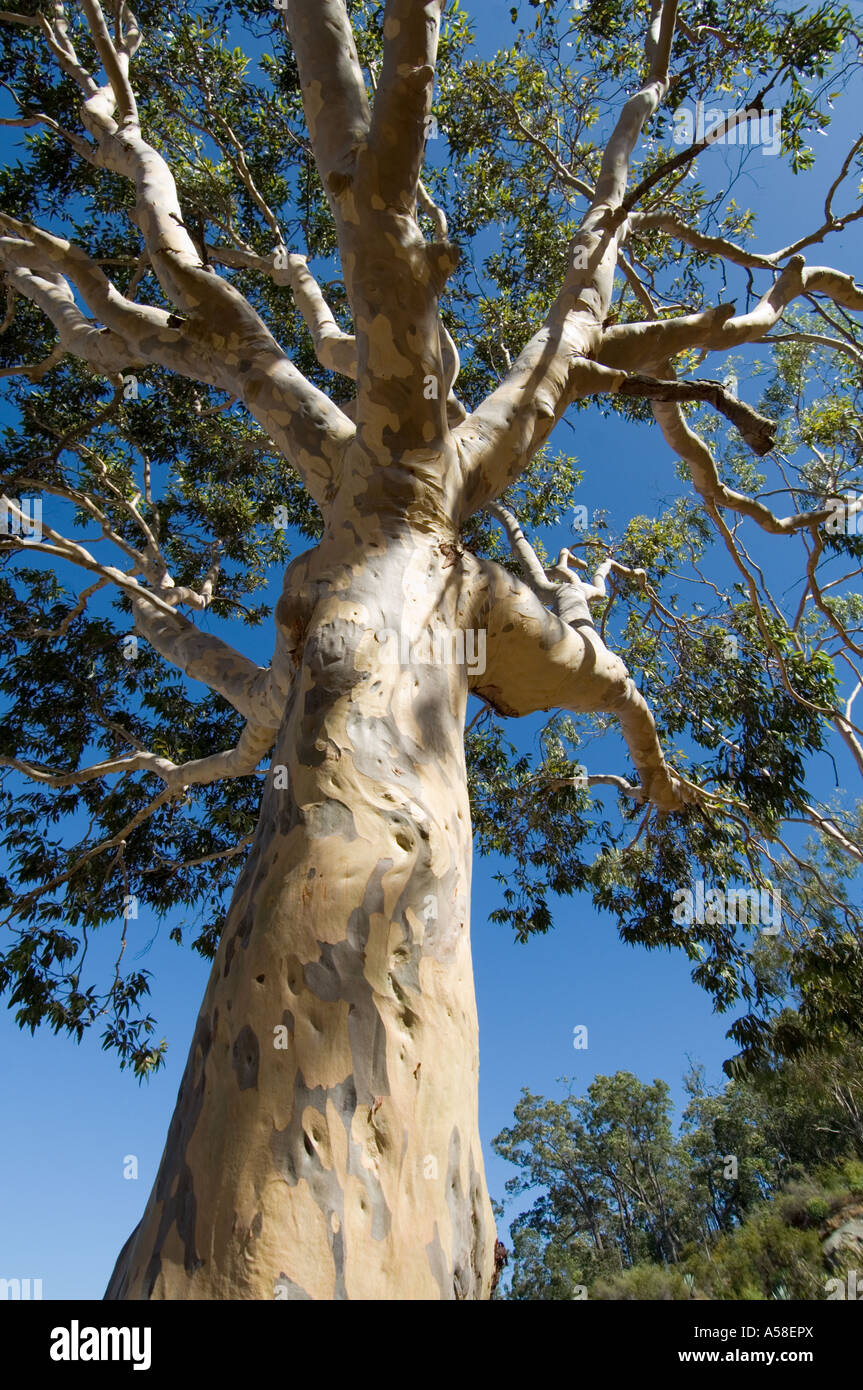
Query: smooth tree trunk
{"type": "Point", "coordinates": [325, 1141]}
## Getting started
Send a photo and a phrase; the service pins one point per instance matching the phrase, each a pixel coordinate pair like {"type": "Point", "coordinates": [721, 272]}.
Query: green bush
{"type": "Point", "coordinates": [852, 1172]}
{"type": "Point", "coordinates": [644, 1282]}
{"type": "Point", "coordinates": [817, 1208]}
{"type": "Point", "coordinates": [766, 1258]}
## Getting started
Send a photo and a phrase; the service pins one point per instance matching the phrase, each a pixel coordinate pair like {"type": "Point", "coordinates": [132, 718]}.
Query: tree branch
{"type": "Point", "coordinates": [334, 93]}
{"type": "Point", "coordinates": [535, 661]}
{"type": "Point", "coordinates": [403, 99]}
{"type": "Point", "coordinates": [758, 432]}
{"type": "Point", "coordinates": [523, 551]}
{"type": "Point", "coordinates": [498, 440]}
{"type": "Point", "coordinates": [335, 350]}
{"type": "Point", "coordinates": [646, 344]}
{"type": "Point", "coordinates": [204, 657]}
{"type": "Point", "coordinates": [224, 342]}
{"type": "Point", "coordinates": [705, 477]}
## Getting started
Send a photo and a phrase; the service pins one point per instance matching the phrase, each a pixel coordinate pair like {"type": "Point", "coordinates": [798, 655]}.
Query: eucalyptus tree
{"type": "Point", "coordinates": [614, 1189]}
{"type": "Point", "coordinates": [496, 244]}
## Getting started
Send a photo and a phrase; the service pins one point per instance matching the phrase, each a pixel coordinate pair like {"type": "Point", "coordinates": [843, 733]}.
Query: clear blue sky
{"type": "Point", "coordinates": [69, 1117]}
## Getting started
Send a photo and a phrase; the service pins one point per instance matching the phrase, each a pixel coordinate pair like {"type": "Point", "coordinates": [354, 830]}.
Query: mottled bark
{"type": "Point", "coordinates": [325, 1141]}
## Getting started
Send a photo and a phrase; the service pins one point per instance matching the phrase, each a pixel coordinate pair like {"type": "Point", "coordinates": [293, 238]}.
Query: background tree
{"type": "Point", "coordinates": [188, 393]}
{"type": "Point", "coordinates": [734, 1206]}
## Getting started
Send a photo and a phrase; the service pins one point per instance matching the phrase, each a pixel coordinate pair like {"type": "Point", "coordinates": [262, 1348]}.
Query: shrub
{"type": "Point", "coordinates": [644, 1282]}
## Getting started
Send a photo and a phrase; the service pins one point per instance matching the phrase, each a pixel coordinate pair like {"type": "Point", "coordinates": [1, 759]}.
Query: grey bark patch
{"type": "Point", "coordinates": [443, 926]}
{"type": "Point", "coordinates": [379, 747]}
{"type": "Point", "coordinates": [179, 1210]}
{"type": "Point", "coordinates": [405, 964]}
{"type": "Point", "coordinates": [443, 931]}
{"type": "Point", "coordinates": [241, 933]}
{"type": "Point", "coordinates": [438, 1265]}
{"type": "Point", "coordinates": [287, 1291]}
{"type": "Point", "coordinates": [480, 1234]}
{"type": "Point", "coordinates": [329, 659]}
{"type": "Point", "coordinates": [404, 973]}
{"type": "Point", "coordinates": [338, 974]}
{"type": "Point", "coordinates": [432, 713]}
{"type": "Point", "coordinates": [458, 1217]}
{"type": "Point", "coordinates": [334, 817]}
{"type": "Point", "coordinates": [245, 1058]}
{"type": "Point", "coordinates": [286, 814]}
{"type": "Point", "coordinates": [468, 1224]}
{"type": "Point", "coordinates": [297, 1159]}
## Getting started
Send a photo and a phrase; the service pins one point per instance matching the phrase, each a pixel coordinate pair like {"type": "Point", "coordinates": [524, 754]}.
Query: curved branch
{"type": "Point", "coordinates": [646, 344]}
{"type": "Point", "coordinates": [523, 551]}
{"type": "Point", "coordinates": [690, 447]}
{"type": "Point", "coordinates": [535, 661]}
{"type": "Point", "coordinates": [102, 349]}
{"type": "Point", "coordinates": [335, 350]}
{"type": "Point", "coordinates": [206, 658]}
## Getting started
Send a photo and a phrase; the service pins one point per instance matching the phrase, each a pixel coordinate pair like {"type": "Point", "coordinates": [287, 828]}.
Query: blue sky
{"type": "Point", "coordinates": [70, 1118]}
